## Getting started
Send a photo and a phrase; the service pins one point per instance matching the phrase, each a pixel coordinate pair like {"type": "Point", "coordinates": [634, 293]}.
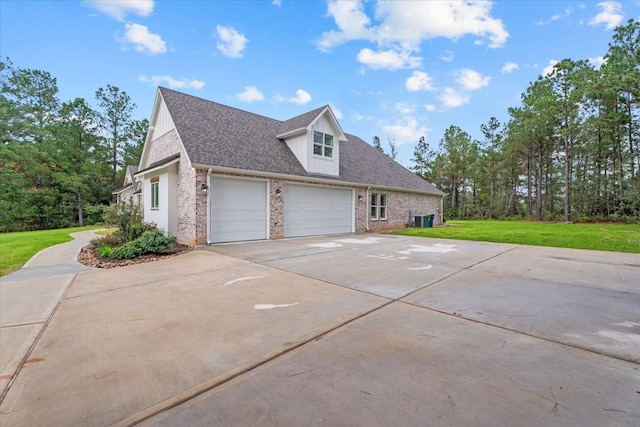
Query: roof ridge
{"type": "Point", "coordinates": [162, 89]}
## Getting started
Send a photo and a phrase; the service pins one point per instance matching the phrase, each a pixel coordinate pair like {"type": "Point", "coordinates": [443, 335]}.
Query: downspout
{"type": "Point", "coordinates": [366, 210]}
{"type": "Point", "coordinates": [209, 207]}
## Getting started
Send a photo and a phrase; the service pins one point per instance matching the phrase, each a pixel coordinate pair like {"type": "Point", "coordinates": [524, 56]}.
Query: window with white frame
{"type": "Point", "coordinates": [155, 192]}
{"type": "Point", "coordinates": [378, 206]}
{"type": "Point", "coordinates": [322, 144]}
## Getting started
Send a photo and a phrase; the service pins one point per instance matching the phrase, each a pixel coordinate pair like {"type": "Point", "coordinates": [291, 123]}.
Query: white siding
{"type": "Point", "coordinates": [163, 123]}
{"type": "Point", "coordinates": [319, 164]}
{"type": "Point", "coordinates": [165, 216]}
{"type": "Point", "coordinates": [302, 147]}
{"type": "Point", "coordinates": [299, 146]}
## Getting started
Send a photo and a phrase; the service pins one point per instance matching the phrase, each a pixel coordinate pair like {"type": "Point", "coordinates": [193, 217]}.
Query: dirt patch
{"type": "Point", "coordinates": [88, 256]}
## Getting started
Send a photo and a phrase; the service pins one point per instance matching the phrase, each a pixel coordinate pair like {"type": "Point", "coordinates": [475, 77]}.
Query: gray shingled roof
{"type": "Point", "coordinates": [300, 122]}
{"type": "Point", "coordinates": [131, 171]}
{"type": "Point", "coordinates": [218, 135]}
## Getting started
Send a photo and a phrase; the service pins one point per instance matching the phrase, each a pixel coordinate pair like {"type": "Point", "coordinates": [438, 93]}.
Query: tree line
{"type": "Point", "coordinates": [570, 151]}
{"type": "Point", "coordinates": [61, 161]}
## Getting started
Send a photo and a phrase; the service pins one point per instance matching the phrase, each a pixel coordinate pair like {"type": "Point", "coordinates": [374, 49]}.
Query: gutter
{"type": "Point", "coordinates": [366, 210]}
{"type": "Point", "coordinates": [208, 207]}
{"type": "Point", "coordinates": [309, 178]}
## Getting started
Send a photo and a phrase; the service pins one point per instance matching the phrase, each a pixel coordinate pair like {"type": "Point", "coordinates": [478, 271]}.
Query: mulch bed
{"type": "Point", "coordinates": [88, 256]}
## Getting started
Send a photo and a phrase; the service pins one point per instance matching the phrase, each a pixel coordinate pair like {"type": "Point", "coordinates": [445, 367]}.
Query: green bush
{"type": "Point", "coordinates": [126, 251]}
{"type": "Point", "coordinates": [111, 239]}
{"type": "Point", "coordinates": [127, 217]}
{"type": "Point", "coordinates": [155, 242]}
{"type": "Point", "coordinates": [94, 213]}
{"type": "Point", "coordinates": [105, 251]}
{"type": "Point", "coordinates": [151, 242]}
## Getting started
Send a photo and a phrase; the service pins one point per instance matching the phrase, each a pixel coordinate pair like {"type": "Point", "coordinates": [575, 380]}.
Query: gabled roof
{"type": "Point", "coordinates": [131, 171]}
{"type": "Point", "coordinates": [216, 135]}
{"type": "Point", "coordinates": [300, 122]}
{"type": "Point", "coordinates": [129, 181]}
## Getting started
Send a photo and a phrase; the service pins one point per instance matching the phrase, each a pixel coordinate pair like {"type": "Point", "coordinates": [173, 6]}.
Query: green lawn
{"type": "Point", "coordinates": [18, 248]}
{"type": "Point", "coordinates": [602, 237]}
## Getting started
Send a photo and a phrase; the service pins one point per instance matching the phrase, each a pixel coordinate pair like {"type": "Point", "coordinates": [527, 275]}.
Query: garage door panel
{"type": "Point", "coordinates": [238, 210]}
{"type": "Point", "coordinates": [313, 210]}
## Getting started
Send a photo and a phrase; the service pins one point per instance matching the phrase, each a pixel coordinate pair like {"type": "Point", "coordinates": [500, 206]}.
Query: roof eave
{"type": "Point", "coordinates": [311, 179]}
{"type": "Point", "coordinates": [292, 133]}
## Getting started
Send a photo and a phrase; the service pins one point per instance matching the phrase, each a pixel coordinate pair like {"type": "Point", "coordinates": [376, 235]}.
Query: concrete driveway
{"type": "Point", "coordinates": [343, 330]}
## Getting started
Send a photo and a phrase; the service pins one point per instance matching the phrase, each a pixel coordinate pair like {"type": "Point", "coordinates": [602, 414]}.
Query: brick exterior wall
{"type": "Point", "coordinates": [402, 207]}
{"type": "Point", "coordinates": [200, 212]}
{"type": "Point", "coordinates": [276, 214]}
{"type": "Point", "coordinates": [361, 210]}
{"type": "Point", "coordinates": [191, 204]}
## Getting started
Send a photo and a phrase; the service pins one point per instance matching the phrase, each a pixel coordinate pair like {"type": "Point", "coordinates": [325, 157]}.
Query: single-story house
{"type": "Point", "coordinates": [131, 189]}
{"type": "Point", "coordinates": [212, 173]}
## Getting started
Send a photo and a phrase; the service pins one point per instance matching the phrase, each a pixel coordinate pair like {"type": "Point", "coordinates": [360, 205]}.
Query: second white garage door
{"type": "Point", "coordinates": [311, 210]}
{"type": "Point", "coordinates": [238, 209]}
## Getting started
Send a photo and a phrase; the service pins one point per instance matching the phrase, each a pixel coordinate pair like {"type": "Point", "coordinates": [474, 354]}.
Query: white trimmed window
{"type": "Point", "coordinates": [322, 144]}
{"type": "Point", "coordinates": [378, 206]}
{"type": "Point", "coordinates": [155, 192]}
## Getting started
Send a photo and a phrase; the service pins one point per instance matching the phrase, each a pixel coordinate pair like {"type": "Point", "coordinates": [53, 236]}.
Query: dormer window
{"type": "Point", "coordinates": [322, 144]}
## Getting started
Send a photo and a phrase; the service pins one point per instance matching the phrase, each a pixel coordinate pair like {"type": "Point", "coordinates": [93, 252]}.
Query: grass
{"type": "Point", "coordinates": [18, 248]}
{"type": "Point", "coordinates": [602, 237]}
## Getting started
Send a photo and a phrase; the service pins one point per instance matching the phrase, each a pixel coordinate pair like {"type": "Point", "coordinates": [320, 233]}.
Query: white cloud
{"type": "Point", "coordinates": [172, 82]}
{"type": "Point", "coordinates": [404, 108]}
{"type": "Point", "coordinates": [556, 17]}
{"type": "Point", "coordinates": [447, 56]}
{"type": "Point", "coordinates": [231, 43]}
{"type": "Point", "coordinates": [359, 117]}
{"type": "Point", "coordinates": [611, 15]}
{"type": "Point", "coordinates": [250, 94]}
{"type": "Point", "coordinates": [565, 14]}
{"type": "Point", "coordinates": [390, 59]}
{"type": "Point", "coordinates": [546, 71]}
{"type": "Point", "coordinates": [597, 61]}
{"type": "Point", "coordinates": [118, 9]}
{"type": "Point", "coordinates": [352, 24]}
{"type": "Point", "coordinates": [452, 98]}
{"type": "Point", "coordinates": [419, 80]}
{"type": "Point", "coordinates": [509, 67]}
{"type": "Point", "coordinates": [472, 80]}
{"type": "Point", "coordinates": [302, 97]}
{"type": "Point", "coordinates": [142, 40]}
{"type": "Point", "coordinates": [430, 107]}
{"type": "Point", "coordinates": [405, 130]}
{"type": "Point", "coordinates": [408, 23]}
{"type": "Point", "coordinates": [277, 3]}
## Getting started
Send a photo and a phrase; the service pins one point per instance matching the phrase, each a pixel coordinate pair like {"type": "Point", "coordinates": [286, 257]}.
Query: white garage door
{"type": "Point", "coordinates": [238, 209]}
{"type": "Point", "coordinates": [311, 211]}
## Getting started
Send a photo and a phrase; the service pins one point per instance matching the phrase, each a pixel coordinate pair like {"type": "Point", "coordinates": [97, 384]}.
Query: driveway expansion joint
{"type": "Point", "coordinates": [33, 345]}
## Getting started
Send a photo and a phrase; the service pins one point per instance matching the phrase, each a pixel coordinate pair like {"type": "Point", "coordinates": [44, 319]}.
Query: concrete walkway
{"type": "Point", "coordinates": [28, 299]}
{"type": "Point", "coordinates": [337, 330]}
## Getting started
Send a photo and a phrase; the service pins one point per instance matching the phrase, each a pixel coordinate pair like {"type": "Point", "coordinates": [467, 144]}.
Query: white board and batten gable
{"type": "Point", "coordinates": [163, 122]}
{"type": "Point", "coordinates": [316, 146]}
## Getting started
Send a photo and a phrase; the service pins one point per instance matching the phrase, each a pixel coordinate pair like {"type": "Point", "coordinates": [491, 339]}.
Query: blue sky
{"type": "Point", "coordinates": [396, 69]}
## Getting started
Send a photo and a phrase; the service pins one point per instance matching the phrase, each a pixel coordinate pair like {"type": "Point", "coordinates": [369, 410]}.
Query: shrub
{"type": "Point", "coordinates": [151, 242]}
{"type": "Point", "coordinates": [127, 217]}
{"type": "Point", "coordinates": [111, 239]}
{"type": "Point", "coordinates": [105, 251]}
{"type": "Point", "coordinates": [155, 242]}
{"type": "Point", "coordinates": [94, 213]}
